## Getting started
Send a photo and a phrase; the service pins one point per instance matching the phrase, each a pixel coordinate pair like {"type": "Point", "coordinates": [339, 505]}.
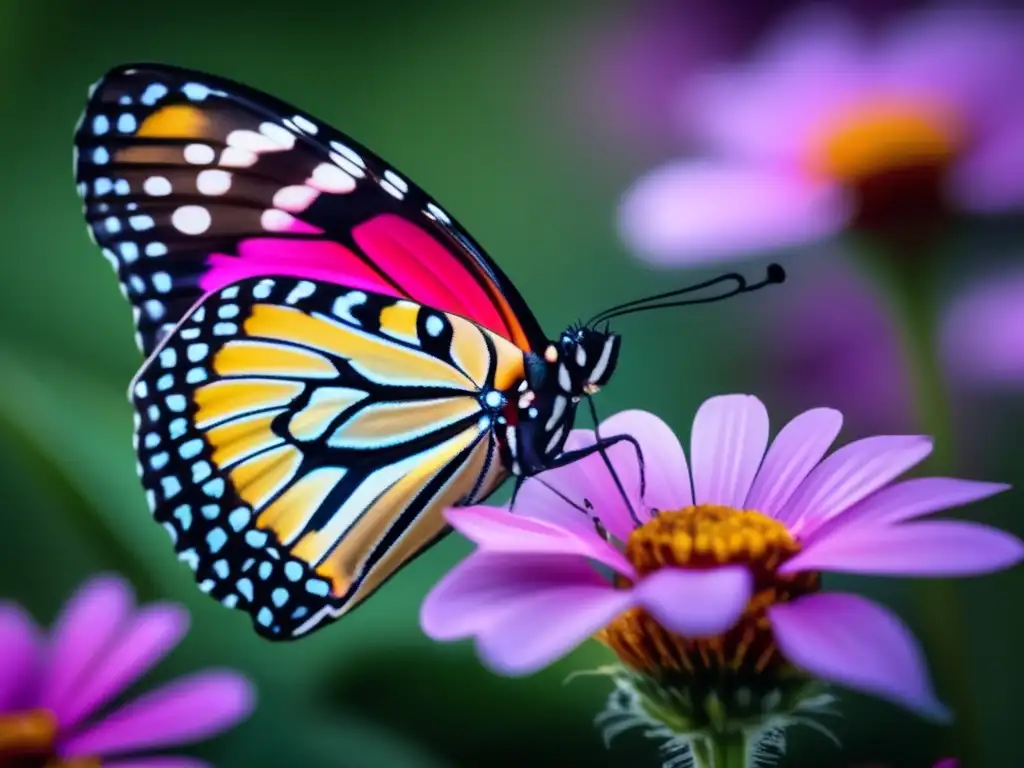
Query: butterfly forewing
{"type": "Point", "coordinates": [298, 440]}
{"type": "Point", "coordinates": [191, 182]}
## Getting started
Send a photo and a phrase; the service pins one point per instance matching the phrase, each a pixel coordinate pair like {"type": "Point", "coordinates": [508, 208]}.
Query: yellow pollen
{"type": "Point", "coordinates": [703, 537]}
{"type": "Point", "coordinates": [27, 741]}
{"type": "Point", "coordinates": [878, 137]}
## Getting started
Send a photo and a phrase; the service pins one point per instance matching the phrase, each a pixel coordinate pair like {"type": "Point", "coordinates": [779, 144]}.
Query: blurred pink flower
{"type": "Point", "coordinates": [829, 127]}
{"type": "Point", "coordinates": [53, 687]}
{"type": "Point", "coordinates": [731, 560]}
{"type": "Point", "coordinates": [983, 331]}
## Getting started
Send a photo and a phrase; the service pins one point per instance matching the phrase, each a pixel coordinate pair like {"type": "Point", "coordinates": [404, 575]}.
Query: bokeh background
{"type": "Point", "coordinates": [528, 121]}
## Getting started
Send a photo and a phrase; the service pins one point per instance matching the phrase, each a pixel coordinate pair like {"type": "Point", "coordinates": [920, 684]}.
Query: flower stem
{"type": "Point", "coordinates": [723, 749]}
{"type": "Point", "coordinates": [909, 281]}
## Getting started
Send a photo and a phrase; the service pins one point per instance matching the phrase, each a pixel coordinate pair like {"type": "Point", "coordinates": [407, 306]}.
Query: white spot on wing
{"type": "Point", "coordinates": [191, 219]}
{"type": "Point", "coordinates": [330, 178]}
{"type": "Point", "coordinates": [213, 182]}
{"type": "Point", "coordinates": [199, 154]}
{"type": "Point", "coordinates": [158, 186]}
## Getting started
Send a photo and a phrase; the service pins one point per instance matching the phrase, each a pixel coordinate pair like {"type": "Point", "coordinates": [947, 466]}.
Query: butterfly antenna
{"type": "Point", "coordinates": [774, 275]}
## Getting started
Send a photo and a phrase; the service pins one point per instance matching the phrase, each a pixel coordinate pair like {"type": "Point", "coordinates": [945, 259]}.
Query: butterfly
{"type": "Point", "coordinates": [330, 358]}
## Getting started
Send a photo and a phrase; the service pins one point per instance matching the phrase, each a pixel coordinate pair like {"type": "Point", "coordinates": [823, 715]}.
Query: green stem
{"type": "Point", "coordinates": [722, 749]}
{"type": "Point", "coordinates": [910, 283]}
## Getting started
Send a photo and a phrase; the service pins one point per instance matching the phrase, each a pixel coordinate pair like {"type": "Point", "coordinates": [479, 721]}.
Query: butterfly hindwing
{"type": "Point", "coordinates": [191, 182]}
{"type": "Point", "coordinates": [298, 440]}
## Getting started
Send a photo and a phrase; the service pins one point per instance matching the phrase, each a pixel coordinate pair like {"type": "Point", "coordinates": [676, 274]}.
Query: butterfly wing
{"type": "Point", "coordinates": [191, 182]}
{"type": "Point", "coordinates": [299, 440]}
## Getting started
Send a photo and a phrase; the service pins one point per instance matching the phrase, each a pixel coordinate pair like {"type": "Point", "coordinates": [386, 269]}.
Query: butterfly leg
{"type": "Point", "coordinates": [601, 446]}
{"type": "Point", "coordinates": [604, 455]}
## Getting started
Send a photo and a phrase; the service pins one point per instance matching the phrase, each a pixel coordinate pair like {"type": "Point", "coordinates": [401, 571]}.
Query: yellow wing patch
{"type": "Point", "coordinates": [397, 422]}
{"type": "Point", "coordinates": [227, 399]}
{"type": "Point", "coordinates": [371, 356]}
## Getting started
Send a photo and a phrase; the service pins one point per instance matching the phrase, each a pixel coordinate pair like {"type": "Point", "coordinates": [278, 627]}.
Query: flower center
{"type": "Point", "coordinates": [27, 740]}
{"type": "Point", "coordinates": [702, 537]}
{"type": "Point", "coordinates": [892, 154]}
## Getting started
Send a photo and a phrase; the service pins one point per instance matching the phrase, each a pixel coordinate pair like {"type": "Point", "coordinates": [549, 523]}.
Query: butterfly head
{"type": "Point", "coordinates": [575, 366]}
{"type": "Point", "coordinates": [584, 359]}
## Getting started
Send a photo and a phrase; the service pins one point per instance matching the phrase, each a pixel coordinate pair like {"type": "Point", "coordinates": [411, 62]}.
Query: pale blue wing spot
{"type": "Point", "coordinates": [244, 587]}
{"type": "Point", "coordinates": [216, 539]}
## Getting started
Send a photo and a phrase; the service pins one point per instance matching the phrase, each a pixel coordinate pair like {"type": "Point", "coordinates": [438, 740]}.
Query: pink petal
{"type": "Point", "coordinates": [934, 548]}
{"type": "Point", "coordinates": [189, 710]}
{"type": "Point", "coordinates": [146, 639]}
{"type": "Point", "coordinates": [730, 434]}
{"type": "Point", "coordinates": [159, 762]}
{"type": "Point", "coordinates": [497, 530]}
{"type": "Point", "coordinates": [548, 624]}
{"type": "Point", "coordinates": [487, 585]}
{"type": "Point", "coordinates": [991, 178]}
{"type": "Point", "coordinates": [851, 641]}
{"type": "Point", "coordinates": [692, 211]}
{"type": "Point", "coordinates": [796, 450]}
{"type": "Point", "coordinates": [695, 603]}
{"type": "Point", "coordinates": [91, 620]}
{"type": "Point", "coordinates": [910, 500]}
{"type": "Point", "coordinates": [666, 472]}
{"type": "Point", "coordinates": [19, 640]}
{"type": "Point", "coordinates": [849, 475]}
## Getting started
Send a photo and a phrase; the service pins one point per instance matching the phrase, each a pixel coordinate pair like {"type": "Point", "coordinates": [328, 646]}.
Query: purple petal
{"type": "Point", "coordinates": [947, 763]}
{"type": "Point", "coordinates": [89, 623]}
{"type": "Point", "coordinates": [487, 585]}
{"type": "Point", "coordinates": [849, 475]}
{"type": "Point", "coordinates": [666, 472]}
{"type": "Point", "coordinates": [991, 177]}
{"type": "Point", "coordinates": [796, 450]}
{"type": "Point", "coordinates": [692, 211]}
{"type": "Point", "coordinates": [964, 57]}
{"type": "Point", "coordinates": [695, 603]}
{"type": "Point", "coordinates": [146, 639]}
{"type": "Point", "coordinates": [497, 530]}
{"type": "Point", "coordinates": [19, 659]}
{"type": "Point", "coordinates": [813, 63]}
{"type": "Point", "coordinates": [730, 434]}
{"type": "Point", "coordinates": [934, 548]}
{"type": "Point", "coordinates": [981, 336]}
{"type": "Point", "coordinates": [546, 625]}
{"type": "Point", "coordinates": [851, 641]}
{"type": "Point", "coordinates": [909, 500]}
{"type": "Point", "coordinates": [158, 762]}
{"type": "Point", "coordinates": [189, 710]}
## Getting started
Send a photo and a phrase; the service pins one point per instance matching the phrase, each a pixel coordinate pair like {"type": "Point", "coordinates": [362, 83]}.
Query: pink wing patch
{"type": "Point", "coordinates": [422, 268]}
{"type": "Point", "coordinates": [428, 272]}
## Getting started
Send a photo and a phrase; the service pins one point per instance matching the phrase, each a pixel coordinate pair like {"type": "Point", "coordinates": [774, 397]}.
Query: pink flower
{"type": "Point", "coordinates": [983, 331]}
{"type": "Point", "coordinates": [723, 569]}
{"type": "Point", "coordinates": [829, 128]}
{"type": "Point", "coordinates": [53, 687]}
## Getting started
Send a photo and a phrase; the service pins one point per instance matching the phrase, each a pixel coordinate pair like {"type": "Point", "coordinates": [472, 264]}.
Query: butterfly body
{"type": "Point", "coordinates": [331, 360]}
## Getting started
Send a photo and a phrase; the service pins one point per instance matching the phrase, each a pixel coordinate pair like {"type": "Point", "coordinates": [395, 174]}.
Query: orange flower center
{"type": "Point", "coordinates": [701, 537]}
{"type": "Point", "coordinates": [27, 740]}
{"type": "Point", "coordinates": [893, 154]}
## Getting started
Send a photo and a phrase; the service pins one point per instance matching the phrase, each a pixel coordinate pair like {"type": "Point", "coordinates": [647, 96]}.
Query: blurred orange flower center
{"type": "Point", "coordinates": [875, 138]}
{"type": "Point", "coordinates": [27, 740]}
{"type": "Point", "coordinates": [702, 537]}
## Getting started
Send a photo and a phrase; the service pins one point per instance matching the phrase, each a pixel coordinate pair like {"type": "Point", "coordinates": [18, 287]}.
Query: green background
{"type": "Point", "coordinates": [489, 107]}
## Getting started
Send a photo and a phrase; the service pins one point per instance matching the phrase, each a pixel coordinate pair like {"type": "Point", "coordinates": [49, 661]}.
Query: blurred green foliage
{"type": "Point", "coordinates": [470, 99]}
